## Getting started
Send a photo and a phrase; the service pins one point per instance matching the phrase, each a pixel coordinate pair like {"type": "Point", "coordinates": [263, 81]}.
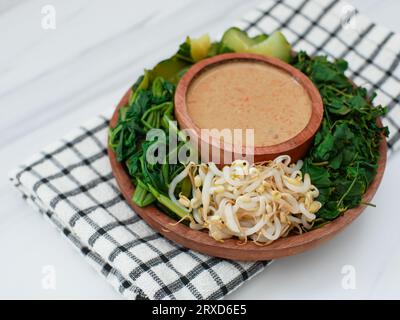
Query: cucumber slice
{"type": "Point", "coordinates": [236, 39]}
{"type": "Point", "coordinates": [169, 69]}
{"type": "Point", "coordinates": [199, 47]}
{"type": "Point", "coordinates": [276, 46]}
{"type": "Point", "coordinates": [258, 38]}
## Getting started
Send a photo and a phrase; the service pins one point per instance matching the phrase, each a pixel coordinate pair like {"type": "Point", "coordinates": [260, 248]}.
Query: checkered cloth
{"type": "Point", "coordinates": [71, 182]}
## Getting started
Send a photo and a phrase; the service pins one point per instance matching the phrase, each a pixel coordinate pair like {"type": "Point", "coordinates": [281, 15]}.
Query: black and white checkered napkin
{"type": "Point", "coordinates": [71, 182]}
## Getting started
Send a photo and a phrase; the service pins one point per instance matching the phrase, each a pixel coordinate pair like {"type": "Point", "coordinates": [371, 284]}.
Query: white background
{"type": "Point", "coordinates": [50, 81]}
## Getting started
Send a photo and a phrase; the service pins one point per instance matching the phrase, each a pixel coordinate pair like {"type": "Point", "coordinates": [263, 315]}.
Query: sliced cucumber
{"type": "Point", "coordinates": [236, 39]}
{"type": "Point", "coordinates": [199, 47]}
{"type": "Point", "coordinates": [258, 38]}
{"type": "Point", "coordinates": [276, 46]}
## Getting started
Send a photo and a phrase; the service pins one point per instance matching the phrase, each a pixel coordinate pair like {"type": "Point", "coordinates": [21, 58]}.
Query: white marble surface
{"type": "Point", "coordinates": [52, 80]}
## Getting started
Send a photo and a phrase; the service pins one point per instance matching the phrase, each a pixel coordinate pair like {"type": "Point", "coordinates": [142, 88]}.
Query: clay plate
{"type": "Point", "coordinates": [230, 249]}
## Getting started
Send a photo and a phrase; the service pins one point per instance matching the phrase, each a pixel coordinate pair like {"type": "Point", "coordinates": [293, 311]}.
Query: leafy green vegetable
{"type": "Point", "coordinates": [184, 52]}
{"type": "Point", "coordinates": [342, 160]}
{"type": "Point", "coordinates": [150, 107]}
{"type": "Point", "coordinates": [169, 69]}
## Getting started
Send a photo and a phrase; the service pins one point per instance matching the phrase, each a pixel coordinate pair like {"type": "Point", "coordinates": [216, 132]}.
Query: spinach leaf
{"type": "Point", "coordinates": [342, 161]}
{"type": "Point", "coordinates": [150, 107]}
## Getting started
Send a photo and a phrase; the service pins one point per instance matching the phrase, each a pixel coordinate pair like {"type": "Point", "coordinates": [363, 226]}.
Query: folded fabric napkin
{"type": "Point", "coordinates": [71, 182]}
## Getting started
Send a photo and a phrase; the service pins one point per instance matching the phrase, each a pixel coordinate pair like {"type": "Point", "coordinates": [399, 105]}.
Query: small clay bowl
{"type": "Point", "coordinates": [296, 147]}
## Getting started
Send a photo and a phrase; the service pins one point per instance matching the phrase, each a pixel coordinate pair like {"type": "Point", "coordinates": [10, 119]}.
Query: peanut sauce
{"type": "Point", "coordinates": [249, 95]}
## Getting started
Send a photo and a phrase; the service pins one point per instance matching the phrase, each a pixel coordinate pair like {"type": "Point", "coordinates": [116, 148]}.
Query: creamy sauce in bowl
{"type": "Point", "coordinates": [249, 95]}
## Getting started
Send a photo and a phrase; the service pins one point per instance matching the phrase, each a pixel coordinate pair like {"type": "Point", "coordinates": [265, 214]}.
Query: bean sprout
{"type": "Point", "coordinates": [264, 201]}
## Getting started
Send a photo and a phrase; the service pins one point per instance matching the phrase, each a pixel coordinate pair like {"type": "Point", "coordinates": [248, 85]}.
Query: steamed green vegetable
{"type": "Point", "coordinates": [233, 40]}
{"type": "Point", "coordinates": [150, 107]}
{"type": "Point", "coordinates": [169, 69]}
{"type": "Point", "coordinates": [342, 161]}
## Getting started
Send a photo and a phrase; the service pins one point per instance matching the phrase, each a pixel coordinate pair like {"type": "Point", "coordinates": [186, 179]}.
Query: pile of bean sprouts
{"type": "Point", "coordinates": [263, 201]}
